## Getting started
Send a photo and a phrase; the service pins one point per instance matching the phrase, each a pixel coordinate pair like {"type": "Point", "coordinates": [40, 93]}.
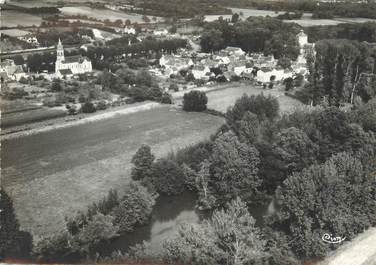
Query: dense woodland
{"type": "Point", "coordinates": [342, 71]}
{"type": "Point", "coordinates": [33, 10]}
{"type": "Point", "coordinates": [191, 8]}
{"type": "Point", "coordinates": [256, 34]}
{"type": "Point", "coordinates": [181, 9]}
{"type": "Point", "coordinates": [319, 10]}
{"type": "Point", "coordinates": [356, 31]}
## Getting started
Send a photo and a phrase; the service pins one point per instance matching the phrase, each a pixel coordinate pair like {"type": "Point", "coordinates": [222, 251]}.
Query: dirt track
{"type": "Point", "coordinates": [360, 251]}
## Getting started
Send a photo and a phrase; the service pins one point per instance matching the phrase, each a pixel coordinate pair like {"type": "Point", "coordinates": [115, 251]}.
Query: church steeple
{"type": "Point", "coordinates": [60, 51]}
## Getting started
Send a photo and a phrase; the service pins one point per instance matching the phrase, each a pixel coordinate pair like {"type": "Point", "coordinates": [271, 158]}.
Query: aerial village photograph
{"type": "Point", "coordinates": [188, 132]}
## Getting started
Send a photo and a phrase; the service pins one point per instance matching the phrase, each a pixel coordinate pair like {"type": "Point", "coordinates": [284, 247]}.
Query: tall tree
{"type": "Point", "coordinates": [316, 201]}
{"type": "Point", "coordinates": [233, 170]}
{"type": "Point", "coordinates": [14, 243]}
{"type": "Point", "coordinates": [142, 161]}
{"type": "Point", "coordinates": [228, 237]}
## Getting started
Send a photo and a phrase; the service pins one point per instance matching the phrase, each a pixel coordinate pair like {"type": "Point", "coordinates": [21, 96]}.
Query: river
{"type": "Point", "coordinates": [168, 214]}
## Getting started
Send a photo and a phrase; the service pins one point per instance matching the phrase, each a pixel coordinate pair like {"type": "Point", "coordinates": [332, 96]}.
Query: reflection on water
{"type": "Point", "coordinates": [168, 214]}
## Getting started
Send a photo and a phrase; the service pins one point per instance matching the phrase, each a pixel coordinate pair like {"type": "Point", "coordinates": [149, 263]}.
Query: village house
{"type": "Point", "coordinates": [201, 72]}
{"type": "Point", "coordinates": [173, 64]}
{"type": "Point", "coordinates": [11, 71]}
{"type": "Point", "coordinates": [70, 65]}
{"type": "Point", "coordinates": [260, 60]}
{"type": "Point", "coordinates": [265, 74]}
{"type": "Point", "coordinates": [235, 51]}
{"type": "Point", "coordinates": [129, 30]}
{"type": "Point", "coordinates": [30, 39]}
{"type": "Point", "coordinates": [160, 32]}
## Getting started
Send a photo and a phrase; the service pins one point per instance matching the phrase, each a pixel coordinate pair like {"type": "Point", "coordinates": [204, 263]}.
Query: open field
{"type": "Point", "coordinates": [52, 174]}
{"type": "Point", "coordinates": [9, 106]}
{"type": "Point", "coordinates": [101, 14]}
{"type": "Point", "coordinates": [305, 21]}
{"type": "Point", "coordinates": [223, 96]}
{"type": "Point", "coordinates": [10, 18]}
{"type": "Point", "coordinates": [29, 116]}
{"type": "Point", "coordinates": [222, 99]}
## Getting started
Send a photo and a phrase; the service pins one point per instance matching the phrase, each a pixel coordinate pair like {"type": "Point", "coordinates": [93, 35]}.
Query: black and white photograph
{"type": "Point", "coordinates": [188, 132]}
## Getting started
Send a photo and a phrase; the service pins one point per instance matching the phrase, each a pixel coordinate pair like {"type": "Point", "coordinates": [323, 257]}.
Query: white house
{"type": "Point", "coordinates": [265, 74]}
{"type": "Point", "coordinates": [30, 39]}
{"type": "Point", "coordinates": [71, 65]}
{"type": "Point", "coordinates": [201, 72]}
{"type": "Point", "coordinates": [173, 64]}
{"type": "Point", "coordinates": [129, 30]}
{"type": "Point", "coordinates": [160, 32]}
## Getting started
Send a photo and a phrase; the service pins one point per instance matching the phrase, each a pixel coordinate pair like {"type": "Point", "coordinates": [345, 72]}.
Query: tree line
{"type": "Point", "coordinates": [181, 8]}
{"type": "Point", "coordinates": [103, 56]}
{"type": "Point", "coordinates": [355, 31]}
{"type": "Point", "coordinates": [342, 71]}
{"type": "Point", "coordinates": [268, 35]}
{"type": "Point", "coordinates": [318, 8]}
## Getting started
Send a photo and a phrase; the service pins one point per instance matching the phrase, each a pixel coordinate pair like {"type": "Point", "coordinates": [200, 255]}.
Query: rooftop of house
{"type": "Point", "coordinates": [3, 75]}
{"type": "Point", "coordinates": [75, 59]}
{"type": "Point", "coordinates": [301, 34]}
{"type": "Point", "coordinates": [6, 62]}
{"type": "Point", "coordinates": [65, 72]}
{"type": "Point", "coordinates": [172, 60]}
{"type": "Point", "coordinates": [199, 67]}
{"type": "Point", "coordinates": [19, 70]}
{"type": "Point", "coordinates": [233, 49]}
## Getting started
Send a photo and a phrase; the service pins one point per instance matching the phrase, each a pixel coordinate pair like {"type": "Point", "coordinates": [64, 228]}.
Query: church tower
{"type": "Point", "coordinates": [60, 52]}
{"type": "Point", "coordinates": [59, 56]}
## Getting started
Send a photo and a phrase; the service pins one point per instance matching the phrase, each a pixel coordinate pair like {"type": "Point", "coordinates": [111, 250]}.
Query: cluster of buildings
{"type": "Point", "coordinates": [10, 71]}
{"type": "Point", "coordinates": [233, 62]}
{"type": "Point", "coordinates": [65, 66]}
{"type": "Point", "coordinates": [227, 64]}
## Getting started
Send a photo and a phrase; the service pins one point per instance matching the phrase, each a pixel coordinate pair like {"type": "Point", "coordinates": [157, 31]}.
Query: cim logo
{"type": "Point", "coordinates": [328, 238]}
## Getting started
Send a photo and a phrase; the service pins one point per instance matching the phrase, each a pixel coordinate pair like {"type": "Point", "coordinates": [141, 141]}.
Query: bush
{"type": "Point", "coordinates": [265, 107]}
{"type": "Point", "coordinates": [135, 207]}
{"type": "Point", "coordinates": [81, 99]}
{"type": "Point", "coordinates": [17, 93]}
{"type": "Point", "coordinates": [72, 110]}
{"type": "Point", "coordinates": [289, 83]}
{"type": "Point", "coordinates": [284, 62]}
{"type": "Point", "coordinates": [49, 103]}
{"type": "Point", "coordinates": [168, 177]}
{"type": "Point", "coordinates": [101, 105]}
{"type": "Point", "coordinates": [174, 87]}
{"type": "Point", "coordinates": [166, 99]}
{"type": "Point", "coordinates": [23, 80]}
{"type": "Point", "coordinates": [195, 101]}
{"type": "Point", "coordinates": [56, 85]}
{"type": "Point", "coordinates": [88, 107]}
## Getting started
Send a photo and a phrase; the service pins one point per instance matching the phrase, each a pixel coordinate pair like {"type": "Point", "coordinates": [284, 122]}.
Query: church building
{"type": "Point", "coordinates": [70, 65]}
